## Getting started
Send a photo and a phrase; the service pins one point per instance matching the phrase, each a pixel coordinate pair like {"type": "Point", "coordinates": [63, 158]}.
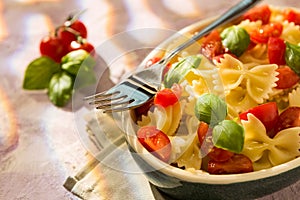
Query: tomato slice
{"type": "Point", "coordinates": [276, 50]}
{"type": "Point", "coordinates": [262, 13]}
{"type": "Point", "coordinates": [212, 45]}
{"type": "Point", "coordinates": [238, 163]}
{"type": "Point", "coordinates": [155, 141]}
{"type": "Point", "coordinates": [287, 78]}
{"type": "Point", "coordinates": [267, 113]}
{"type": "Point", "coordinates": [204, 133]}
{"type": "Point", "coordinates": [292, 16]}
{"type": "Point", "coordinates": [269, 30]}
{"type": "Point", "coordinates": [288, 118]}
{"type": "Point", "coordinates": [165, 97]}
{"type": "Point", "coordinates": [220, 155]}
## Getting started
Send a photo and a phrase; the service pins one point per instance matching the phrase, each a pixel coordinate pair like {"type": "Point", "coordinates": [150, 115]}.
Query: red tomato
{"type": "Point", "coordinates": [204, 133]}
{"type": "Point", "coordinates": [288, 118]}
{"type": "Point", "coordinates": [286, 78]}
{"type": "Point", "coordinates": [155, 141]}
{"type": "Point", "coordinates": [165, 98]}
{"type": "Point", "coordinates": [212, 45]}
{"type": "Point", "coordinates": [269, 30]}
{"type": "Point", "coordinates": [276, 50]}
{"type": "Point", "coordinates": [262, 13]}
{"type": "Point", "coordinates": [52, 47]}
{"type": "Point", "coordinates": [72, 32]}
{"type": "Point", "coordinates": [292, 16]}
{"type": "Point", "coordinates": [220, 155]}
{"type": "Point", "coordinates": [267, 113]}
{"type": "Point", "coordinates": [84, 45]}
{"type": "Point", "coordinates": [238, 163]}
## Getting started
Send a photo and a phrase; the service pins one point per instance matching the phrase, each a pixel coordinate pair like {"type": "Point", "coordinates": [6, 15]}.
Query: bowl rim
{"type": "Point", "coordinates": [200, 176]}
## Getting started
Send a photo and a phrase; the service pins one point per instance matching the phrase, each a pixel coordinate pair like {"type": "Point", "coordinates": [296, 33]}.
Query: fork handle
{"type": "Point", "coordinates": [233, 13]}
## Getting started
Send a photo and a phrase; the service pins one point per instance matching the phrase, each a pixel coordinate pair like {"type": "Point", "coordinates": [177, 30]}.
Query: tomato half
{"type": "Point", "coordinates": [165, 97]}
{"type": "Point", "coordinates": [288, 118]}
{"type": "Point", "coordinates": [218, 154]}
{"type": "Point", "coordinates": [204, 133]}
{"type": "Point", "coordinates": [262, 13]}
{"type": "Point", "coordinates": [269, 30]}
{"type": "Point", "coordinates": [292, 16]}
{"type": "Point", "coordinates": [287, 78]}
{"type": "Point", "coordinates": [238, 163]}
{"type": "Point", "coordinates": [212, 45]}
{"type": "Point", "coordinates": [155, 141]}
{"type": "Point", "coordinates": [267, 113]}
{"type": "Point", "coordinates": [52, 47]}
{"type": "Point", "coordinates": [276, 51]}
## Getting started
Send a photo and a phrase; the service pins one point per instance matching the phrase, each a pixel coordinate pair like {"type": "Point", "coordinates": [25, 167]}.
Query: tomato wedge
{"type": "Point", "coordinates": [286, 78]}
{"type": "Point", "coordinates": [269, 30]}
{"type": "Point", "coordinates": [220, 155]}
{"type": "Point", "coordinates": [267, 113]}
{"type": "Point", "coordinates": [238, 163]}
{"type": "Point", "coordinates": [262, 13]}
{"type": "Point", "coordinates": [212, 45]}
{"type": "Point", "coordinates": [292, 16]}
{"type": "Point", "coordinates": [288, 118]}
{"type": "Point", "coordinates": [165, 97]}
{"type": "Point", "coordinates": [276, 50]}
{"type": "Point", "coordinates": [155, 141]}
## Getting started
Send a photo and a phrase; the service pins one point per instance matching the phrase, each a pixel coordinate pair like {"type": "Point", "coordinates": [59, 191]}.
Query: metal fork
{"type": "Point", "coordinates": [141, 86]}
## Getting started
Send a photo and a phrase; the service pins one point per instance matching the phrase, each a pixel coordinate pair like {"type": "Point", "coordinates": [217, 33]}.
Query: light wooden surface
{"type": "Point", "coordinates": [39, 143]}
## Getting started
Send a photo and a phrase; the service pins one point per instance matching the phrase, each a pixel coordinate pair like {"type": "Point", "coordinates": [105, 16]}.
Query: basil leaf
{"type": "Point", "coordinates": [76, 59]}
{"type": "Point", "coordinates": [177, 73]}
{"type": "Point", "coordinates": [60, 88]}
{"type": "Point", "coordinates": [236, 39]}
{"type": "Point", "coordinates": [85, 77]}
{"type": "Point", "coordinates": [210, 108]}
{"type": "Point", "coordinates": [292, 57]}
{"type": "Point", "coordinates": [39, 72]}
{"type": "Point", "coordinates": [229, 135]}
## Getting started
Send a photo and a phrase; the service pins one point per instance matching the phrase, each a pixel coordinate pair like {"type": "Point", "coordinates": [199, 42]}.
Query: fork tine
{"type": "Point", "coordinates": [100, 95]}
{"type": "Point", "coordinates": [108, 99]}
{"type": "Point", "coordinates": [122, 102]}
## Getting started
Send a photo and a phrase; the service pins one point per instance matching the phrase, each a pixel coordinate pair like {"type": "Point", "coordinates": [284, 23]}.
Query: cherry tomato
{"type": "Point", "coordinates": [52, 47]}
{"type": "Point", "coordinates": [288, 118]}
{"type": "Point", "coordinates": [292, 16]}
{"type": "Point", "coordinates": [269, 30]}
{"type": "Point", "coordinates": [155, 141]}
{"type": "Point", "coordinates": [83, 45]}
{"type": "Point", "coordinates": [238, 163]}
{"type": "Point", "coordinates": [204, 133]}
{"type": "Point", "coordinates": [72, 32]}
{"type": "Point", "coordinates": [262, 13]}
{"type": "Point", "coordinates": [165, 98]}
{"type": "Point", "coordinates": [276, 50]}
{"type": "Point", "coordinates": [212, 45]}
{"type": "Point", "coordinates": [220, 155]}
{"type": "Point", "coordinates": [286, 78]}
{"type": "Point", "coordinates": [267, 113]}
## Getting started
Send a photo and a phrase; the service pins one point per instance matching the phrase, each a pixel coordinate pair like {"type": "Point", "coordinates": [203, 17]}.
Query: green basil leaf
{"type": "Point", "coordinates": [60, 88]}
{"type": "Point", "coordinates": [229, 135]}
{"type": "Point", "coordinates": [177, 73]}
{"type": "Point", "coordinates": [292, 57]}
{"type": "Point", "coordinates": [39, 72]}
{"type": "Point", "coordinates": [76, 59]}
{"type": "Point", "coordinates": [236, 39]}
{"type": "Point", "coordinates": [210, 108]}
{"type": "Point", "coordinates": [85, 77]}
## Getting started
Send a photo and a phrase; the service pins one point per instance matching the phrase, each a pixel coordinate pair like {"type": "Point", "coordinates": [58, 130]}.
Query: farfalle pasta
{"type": "Point", "coordinates": [233, 94]}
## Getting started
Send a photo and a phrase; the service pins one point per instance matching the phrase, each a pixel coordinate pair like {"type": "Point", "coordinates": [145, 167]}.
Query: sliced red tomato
{"type": "Point", "coordinates": [155, 141]}
{"type": "Point", "coordinates": [165, 97]}
{"type": "Point", "coordinates": [267, 113]}
{"type": "Point", "coordinates": [212, 45]}
{"type": "Point", "coordinates": [220, 155]}
{"type": "Point", "coordinates": [292, 16]}
{"type": "Point", "coordinates": [238, 163]}
{"type": "Point", "coordinates": [262, 13]}
{"type": "Point", "coordinates": [204, 133]}
{"type": "Point", "coordinates": [287, 78]}
{"type": "Point", "coordinates": [269, 30]}
{"type": "Point", "coordinates": [276, 50]}
{"type": "Point", "coordinates": [288, 118]}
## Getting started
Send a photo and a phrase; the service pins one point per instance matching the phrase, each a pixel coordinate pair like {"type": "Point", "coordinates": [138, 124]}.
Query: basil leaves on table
{"type": "Point", "coordinates": [58, 78]}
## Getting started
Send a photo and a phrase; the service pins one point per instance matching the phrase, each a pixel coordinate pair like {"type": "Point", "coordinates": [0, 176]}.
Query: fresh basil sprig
{"type": "Point", "coordinates": [58, 79]}
{"type": "Point", "coordinates": [292, 57]}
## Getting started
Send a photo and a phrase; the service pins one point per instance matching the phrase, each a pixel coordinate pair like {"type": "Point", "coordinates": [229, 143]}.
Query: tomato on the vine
{"type": "Point", "coordinates": [276, 51]}
{"type": "Point", "coordinates": [52, 47]}
{"type": "Point", "coordinates": [82, 45]}
{"type": "Point", "coordinates": [262, 13]}
{"type": "Point", "coordinates": [267, 113]}
{"type": "Point", "coordinates": [287, 78]}
{"type": "Point", "coordinates": [155, 141]}
{"type": "Point", "coordinates": [269, 30]}
{"type": "Point", "coordinates": [72, 32]}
